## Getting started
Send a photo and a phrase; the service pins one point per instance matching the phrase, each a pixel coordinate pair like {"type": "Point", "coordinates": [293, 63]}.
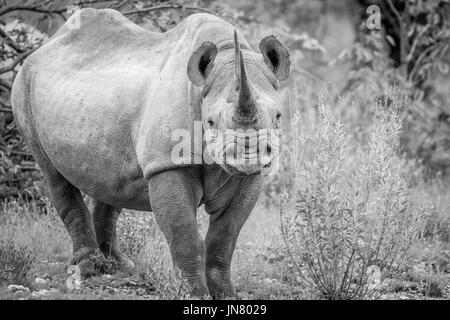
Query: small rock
{"type": "Point", "coordinates": [132, 283]}
{"type": "Point", "coordinates": [141, 291]}
{"type": "Point", "coordinates": [246, 296]}
{"type": "Point", "coordinates": [43, 292]}
{"type": "Point", "coordinates": [56, 264]}
{"type": "Point", "coordinates": [18, 289]}
{"type": "Point", "coordinates": [374, 277]}
{"type": "Point", "coordinates": [113, 290]}
{"type": "Point", "coordinates": [41, 281]}
{"type": "Point", "coordinates": [435, 290]}
{"type": "Point", "coordinates": [274, 259]}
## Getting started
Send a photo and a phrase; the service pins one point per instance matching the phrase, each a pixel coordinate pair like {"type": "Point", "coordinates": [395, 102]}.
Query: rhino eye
{"type": "Point", "coordinates": [210, 123]}
{"type": "Point", "coordinates": [278, 115]}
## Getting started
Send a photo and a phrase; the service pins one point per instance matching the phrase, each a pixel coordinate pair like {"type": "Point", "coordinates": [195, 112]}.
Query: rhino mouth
{"type": "Point", "coordinates": [244, 163]}
{"type": "Point", "coordinates": [239, 172]}
{"type": "Point", "coordinates": [247, 153]}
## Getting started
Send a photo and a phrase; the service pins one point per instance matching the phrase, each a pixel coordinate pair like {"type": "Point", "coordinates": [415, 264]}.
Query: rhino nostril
{"type": "Point", "coordinates": [247, 143]}
{"type": "Point", "coordinates": [269, 150]}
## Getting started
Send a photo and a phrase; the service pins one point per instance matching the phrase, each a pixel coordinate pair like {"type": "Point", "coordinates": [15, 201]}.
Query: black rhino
{"type": "Point", "coordinates": [97, 105]}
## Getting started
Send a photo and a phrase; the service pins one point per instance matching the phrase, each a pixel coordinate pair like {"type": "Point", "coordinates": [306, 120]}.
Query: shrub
{"type": "Point", "coordinates": [15, 262]}
{"type": "Point", "coordinates": [437, 227]}
{"type": "Point", "coordinates": [37, 226]}
{"type": "Point", "coordinates": [352, 206]}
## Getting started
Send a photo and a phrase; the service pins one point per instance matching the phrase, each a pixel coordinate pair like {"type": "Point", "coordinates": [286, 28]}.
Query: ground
{"type": "Point", "coordinates": [261, 268]}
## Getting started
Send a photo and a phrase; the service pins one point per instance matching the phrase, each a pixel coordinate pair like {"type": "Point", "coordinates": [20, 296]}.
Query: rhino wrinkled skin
{"type": "Point", "coordinates": [97, 106]}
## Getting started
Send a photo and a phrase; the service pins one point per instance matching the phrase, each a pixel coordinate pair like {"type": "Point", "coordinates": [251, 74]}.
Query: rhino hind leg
{"type": "Point", "coordinates": [75, 215]}
{"type": "Point", "coordinates": [105, 220]}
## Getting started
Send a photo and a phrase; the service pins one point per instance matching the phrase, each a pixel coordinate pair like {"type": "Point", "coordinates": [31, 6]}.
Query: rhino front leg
{"type": "Point", "coordinates": [223, 231]}
{"type": "Point", "coordinates": [174, 198]}
{"type": "Point", "coordinates": [105, 221]}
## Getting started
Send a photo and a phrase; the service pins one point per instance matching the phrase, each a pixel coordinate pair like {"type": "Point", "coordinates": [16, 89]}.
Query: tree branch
{"type": "Point", "coordinates": [395, 11]}
{"type": "Point", "coordinates": [18, 60]}
{"type": "Point", "coordinates": [179, 7]}
{"type": "Point", "coordinates": [28, 168]}
{"type": "Point", "coordinates": [5, 110]}
{"type": "Point", "coordinates": [402, 33]}
{"type": "Point", "coordinates": [31, 9]}
{"type": "Point", "coordinates": [169, 6]}
{"type": "Point", "coordinates": [10, 42]}
{"type": "Point", "coordinates": [5, 84]}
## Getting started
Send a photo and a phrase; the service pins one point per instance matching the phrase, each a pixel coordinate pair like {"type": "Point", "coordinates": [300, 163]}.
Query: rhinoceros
{"type": "Point", "coordinates": [98, 105]}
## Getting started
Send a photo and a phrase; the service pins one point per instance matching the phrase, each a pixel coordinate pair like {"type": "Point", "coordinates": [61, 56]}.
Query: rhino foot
{"type": "Point", "coordinates": [219, 284]}
{"type": "Point", "coordinates": [222, 293]}
{"type": "Point", "coordinates": [123, 263]}
{"type": "Point", "coordinates": [90, 261]}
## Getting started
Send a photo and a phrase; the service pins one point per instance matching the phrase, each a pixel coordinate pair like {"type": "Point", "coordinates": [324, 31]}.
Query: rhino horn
{"type": "Point", "coordinates": [245, 103]}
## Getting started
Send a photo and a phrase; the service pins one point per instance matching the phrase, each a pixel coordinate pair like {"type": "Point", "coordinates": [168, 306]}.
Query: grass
{"type": "Point", "coordinates": [260, 268]}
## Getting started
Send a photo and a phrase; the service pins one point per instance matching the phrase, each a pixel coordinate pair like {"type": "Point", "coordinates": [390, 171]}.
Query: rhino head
{"type": "Point", "coordinates": [240, 103]}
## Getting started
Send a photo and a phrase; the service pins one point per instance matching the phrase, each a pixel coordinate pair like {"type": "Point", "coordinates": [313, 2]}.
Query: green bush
{"type": "Point", "coordinates": [352, 206]}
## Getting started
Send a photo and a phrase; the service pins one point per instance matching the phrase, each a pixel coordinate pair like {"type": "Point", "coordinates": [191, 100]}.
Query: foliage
{"type": "Point", "coordinates": [409, 52]}
{"type": "Point", "coordinates": [350, 215]}
{"type": "Point", "coordinates": [15, 261]}
{"type": "Point", "coordinates": [417, 33]}
{"type": "Point", "coordinates": [437, 227]}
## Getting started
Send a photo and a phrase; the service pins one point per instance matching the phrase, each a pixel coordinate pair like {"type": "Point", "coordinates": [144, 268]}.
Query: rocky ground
{"type": "Point", "coordinates": [415, 284]}
{"type": "Point", "coordinates": [56, 285]}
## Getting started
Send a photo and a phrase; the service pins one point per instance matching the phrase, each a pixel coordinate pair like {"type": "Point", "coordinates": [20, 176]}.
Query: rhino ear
{"type": "Point", "coordinates": [276, 56]}
{"type": "Point", "coordinates": [201, 62]}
